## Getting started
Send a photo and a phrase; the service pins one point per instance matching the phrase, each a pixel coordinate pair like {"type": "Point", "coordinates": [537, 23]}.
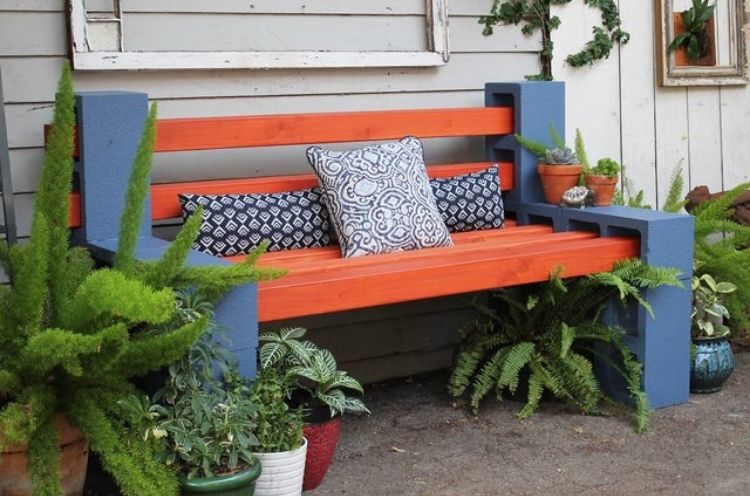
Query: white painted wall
{"type": "Point", "coordinates": [617, 105]}
{"type": "Point", "coordinates": [623, 112]}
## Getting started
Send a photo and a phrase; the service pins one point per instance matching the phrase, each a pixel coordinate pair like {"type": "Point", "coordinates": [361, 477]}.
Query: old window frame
{"type": "Point", "coordinates": [436, 24]}
{"type": "Point", "coordinates": [736, 73]}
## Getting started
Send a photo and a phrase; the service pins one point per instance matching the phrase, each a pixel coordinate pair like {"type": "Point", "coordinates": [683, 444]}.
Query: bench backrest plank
{"type": "Point", "coordinates": [165, 204]}
{"type": "Point", "coordinates": [212, 133]}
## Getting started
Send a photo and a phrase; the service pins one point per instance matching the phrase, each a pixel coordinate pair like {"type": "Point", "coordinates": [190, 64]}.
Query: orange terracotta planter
{"type": "Point", "coordinates": [14, 477]}
{"type": "Point", "coordinates": [556, 179]}
{"type": "Point", "coordinates": [603, 188]}
{"type": "Point", "coordinates": [680, 55]}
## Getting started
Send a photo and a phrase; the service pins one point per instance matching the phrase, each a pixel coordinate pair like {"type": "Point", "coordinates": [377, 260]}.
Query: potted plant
{"type": "Point", "coordinates": [558, 167]}
{"type": "Point", "coordinates": [319, 388]}
{"type": "Point", "coordinates": [281, 447]}
{"type": "Point", "coordinates": [713, 361]}
{"type": "Point", "coordinates": [602, 180]}
{"type": "Point", "coordinates": [694, 42]}
{"type": "Point", "coordinates": [73, 337]}
{"type": "Point", "coordinates": [203, 426]}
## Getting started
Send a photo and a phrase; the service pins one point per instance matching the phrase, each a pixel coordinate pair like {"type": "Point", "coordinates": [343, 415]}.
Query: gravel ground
{"type": "Point", "coordinates": [417, 443]}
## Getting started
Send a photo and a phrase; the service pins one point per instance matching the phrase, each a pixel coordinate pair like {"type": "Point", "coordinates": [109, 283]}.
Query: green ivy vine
{"type": "Point", "coordinates": [535, 15]}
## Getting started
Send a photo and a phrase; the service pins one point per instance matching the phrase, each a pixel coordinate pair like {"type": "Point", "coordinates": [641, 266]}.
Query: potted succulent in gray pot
{"type": "Point", "coordinates": [712, 362]}
{"type": "Point", "coordinates": [559, 168]}
{"type": "Point", "coordinates": [203, 426]}
{"type": "Point", "coordinates": [319, 388]}
{"type": "Point", "coordinates": [602, 180]}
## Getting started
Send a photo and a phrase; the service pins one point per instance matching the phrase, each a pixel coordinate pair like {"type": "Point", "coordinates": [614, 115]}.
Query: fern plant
{"type": "Point", "coordinates": [72, 338]}
{"type": "Point", "coordinates": [550, 331]}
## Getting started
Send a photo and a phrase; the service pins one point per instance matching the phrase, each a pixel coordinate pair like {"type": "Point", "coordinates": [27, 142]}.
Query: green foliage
{"type": "Point", "coordinates": [202, 426]}
{"type": "Point", "coordinates": [722, 250]}
{"type": "Point", "coordinates": [311, 372]}
{"type": "Point", "coordinates": [555, 154]}
{"type": "Point", "coordinates": [695, 38]}
{"type": "Point", "coordinates": [581, 152]}
{"type": "Point", "coordinates": [72, 338]}
{"type": "Point", "coordinates": [606, 167]}
{"type": "Point", "coordinates": [708, 310]}
{"type": "Point", "coordinates": [674, 201]}
{"type": "Point", "coordinates": [549, 331]}
{"type": "Point", "coordinates": [278, 427]}
{"type": "Point", "coordinates": [135, 197]}
{"type": "Point", "coordinates": [535, 15]}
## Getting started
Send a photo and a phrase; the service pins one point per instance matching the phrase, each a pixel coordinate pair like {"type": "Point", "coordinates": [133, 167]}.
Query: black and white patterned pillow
{"type": "Point", "coordinates": [380, 198]}
{"type": "Point", "coordinates": [235, 224]}
{"type": "Point", "coordinates": [470, 202]}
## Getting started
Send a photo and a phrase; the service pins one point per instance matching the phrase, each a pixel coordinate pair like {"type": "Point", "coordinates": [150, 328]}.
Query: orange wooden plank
{"type": "Point", "coordinates": [210, 133]}
{"type": "Point", "coordinates": [165, 205]}
{"type": "Point", "coordinates": [295, 129]}
{"type": "Point", "coordinates": [288, 258]}
{"type": "Point", "coordinates": [362, 287]}
{"type": "Point", "coordinates": [313, 267]}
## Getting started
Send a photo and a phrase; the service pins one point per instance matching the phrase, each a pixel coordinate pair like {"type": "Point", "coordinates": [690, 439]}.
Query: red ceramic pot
{"type": "Point", "coordinates": [322, 433]}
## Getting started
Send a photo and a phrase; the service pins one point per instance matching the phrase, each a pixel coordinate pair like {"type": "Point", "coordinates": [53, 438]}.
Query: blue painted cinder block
{"type": "Point", "coordinates": [536, 104]}
{"type": "Point", "coordinates": [662, 343]}
{"type": "Point", "coordinates": [110, 127]}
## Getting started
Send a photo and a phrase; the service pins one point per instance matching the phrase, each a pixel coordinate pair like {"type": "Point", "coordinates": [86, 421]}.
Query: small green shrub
{"type": "Point", "coordinates": [202, 426]}
{"type": "Point", "coordinates": [278, 427]}
{"type": "Point", "coordinates": [606, 167]}
{"type": "Point", "coordinates": [311, 371]}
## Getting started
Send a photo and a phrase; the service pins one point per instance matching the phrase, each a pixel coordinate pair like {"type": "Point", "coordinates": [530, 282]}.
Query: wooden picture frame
{"type": "Point", "coordinates": [673, 69]}
{"type": "Point", "coordinates": [96, 43]}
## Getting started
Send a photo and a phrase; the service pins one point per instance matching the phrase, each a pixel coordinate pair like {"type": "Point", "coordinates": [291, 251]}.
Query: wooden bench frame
{"type": "Point", "coordinates": [541, 238]}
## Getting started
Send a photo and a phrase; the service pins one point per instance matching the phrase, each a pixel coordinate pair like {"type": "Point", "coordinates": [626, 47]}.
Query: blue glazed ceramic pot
{"type": "Point", "coordinates": [712, 365]}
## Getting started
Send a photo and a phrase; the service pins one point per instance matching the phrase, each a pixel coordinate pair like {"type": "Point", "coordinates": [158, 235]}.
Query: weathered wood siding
{"type": "Point", "coordinates": [617, 105]}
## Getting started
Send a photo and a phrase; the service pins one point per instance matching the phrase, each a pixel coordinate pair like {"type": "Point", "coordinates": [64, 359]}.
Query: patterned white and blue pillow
{"type": "Point", "coordinates": [470, 202]}
{"type": "Point", "coordinates": [380, 198]}
{"type": "Point", "coordinates": [235, 224]}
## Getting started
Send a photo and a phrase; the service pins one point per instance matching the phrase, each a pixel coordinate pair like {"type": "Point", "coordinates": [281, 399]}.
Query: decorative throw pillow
{"type": "Point", "coordinates": [470, 202]}
{"type": "Point", "coordinates": [235, 224]}
{"type": "Point", "coordinates": [380, 198]}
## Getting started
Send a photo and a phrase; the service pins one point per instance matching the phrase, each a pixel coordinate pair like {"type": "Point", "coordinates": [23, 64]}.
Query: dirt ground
{"type": "Point", "coordinates": [417, 443]}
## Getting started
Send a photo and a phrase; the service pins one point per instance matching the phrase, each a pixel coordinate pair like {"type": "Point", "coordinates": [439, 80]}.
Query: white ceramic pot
{"type": "Point", "coordinates": [282, 473]}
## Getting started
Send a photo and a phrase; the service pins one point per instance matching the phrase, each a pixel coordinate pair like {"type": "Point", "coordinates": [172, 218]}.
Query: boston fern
{"type": "Point", "coordinates": [311, 371]}
{"type": "Point", "coordinates": [72, 337]}
{"type": "Point", "coordinates": [551, 331]}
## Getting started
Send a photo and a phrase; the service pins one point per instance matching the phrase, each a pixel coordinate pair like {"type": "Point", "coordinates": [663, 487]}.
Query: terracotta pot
{"type": "Point", "coordinates": [322, 438]}
{"type": "Point", "coordinates": [603, 188]}
{"type": "Point", "coordinates": [74, 455]}
{"type": "Point", "coordinates": [680, 55]}
{"type": "Point", "coordinates": [558, 178]}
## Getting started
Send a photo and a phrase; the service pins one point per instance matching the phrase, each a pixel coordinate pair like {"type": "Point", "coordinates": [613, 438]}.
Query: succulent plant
{"type": "Point", "coordinates": [559, 156]}
{"type": "Point", "coordinates": [606, 167]}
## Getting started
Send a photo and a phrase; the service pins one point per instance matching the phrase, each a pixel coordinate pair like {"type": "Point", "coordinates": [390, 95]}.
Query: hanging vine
{"type": "Point", "coordinates": [535, 15]}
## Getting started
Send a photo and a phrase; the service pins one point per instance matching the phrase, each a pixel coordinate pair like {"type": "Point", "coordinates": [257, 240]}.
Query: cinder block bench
{"type": "Point", "coordinates": [540, 239]}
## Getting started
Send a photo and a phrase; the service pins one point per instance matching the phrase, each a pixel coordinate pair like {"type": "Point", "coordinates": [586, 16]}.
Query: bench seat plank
{"type": "Point", "coordinates": [315, 287]}
{"type": "Point", "coordinates": [285, 257]}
